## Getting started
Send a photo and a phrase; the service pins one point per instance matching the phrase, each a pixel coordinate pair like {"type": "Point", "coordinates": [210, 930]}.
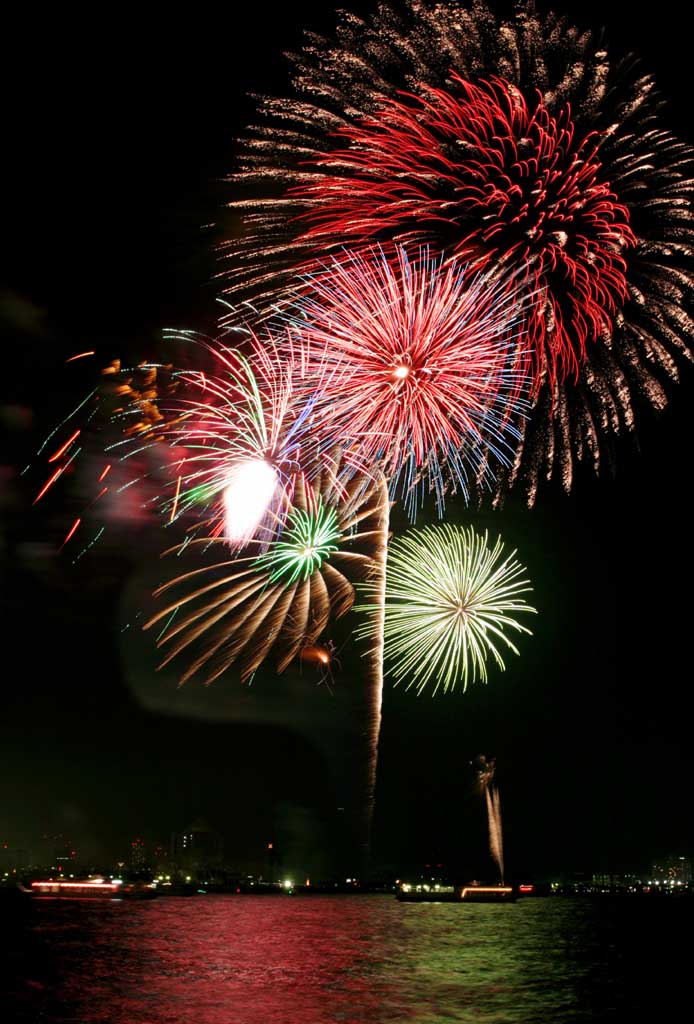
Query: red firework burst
{"type": "Point", "coordinates": [483, 176]}
{"type": "Point", "coordinates": [418, 363]}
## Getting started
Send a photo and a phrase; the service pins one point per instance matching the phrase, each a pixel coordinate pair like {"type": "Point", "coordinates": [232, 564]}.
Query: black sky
{"type": "Point", "coordinates": [122, 130]}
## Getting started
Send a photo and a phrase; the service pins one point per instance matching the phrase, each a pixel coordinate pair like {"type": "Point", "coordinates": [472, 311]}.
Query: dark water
{"type": "Point", "coordinates": [353, 960]}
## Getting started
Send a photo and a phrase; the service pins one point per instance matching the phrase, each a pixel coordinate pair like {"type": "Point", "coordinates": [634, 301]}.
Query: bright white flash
{"type": "Point", "coordinates": [247, 495]}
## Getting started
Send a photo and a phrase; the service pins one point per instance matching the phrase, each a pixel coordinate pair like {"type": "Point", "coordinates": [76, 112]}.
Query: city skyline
{"type": "Point", "coordinates": [199, 851]}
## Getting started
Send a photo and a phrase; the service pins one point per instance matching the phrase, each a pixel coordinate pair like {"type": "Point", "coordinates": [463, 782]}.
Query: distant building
{"type": "Point", "coordinates": [198, 849]}
{"type": "Point", "coordinates": [12, 857]}
{"type": "Point", "coordinates": [610, 880]}
{"type": "Point", "coordinates": [138, 855]}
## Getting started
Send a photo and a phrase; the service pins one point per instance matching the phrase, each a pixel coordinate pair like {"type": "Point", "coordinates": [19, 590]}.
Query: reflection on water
{"type": "Point", "coordinates": [353, 960]}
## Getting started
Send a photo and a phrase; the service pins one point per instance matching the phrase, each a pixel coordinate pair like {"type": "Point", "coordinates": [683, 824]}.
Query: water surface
{"type": "Point", "coordinates": [347, 959]}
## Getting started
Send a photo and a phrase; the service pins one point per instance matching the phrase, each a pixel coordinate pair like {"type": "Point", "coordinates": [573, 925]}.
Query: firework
{"type": "Point", "coordinates": [520, 140]}
{"type": "Point", "coordinates": [485, 767]}
{"type": "Point", "coordinates": [238, 440]}
{"type": "Point", "coordinates": [489, 179]}
{"type": "Point", "coordinates": [279, 599]}
{"type": "Point", "coordinates": [419, 367]}
{"type": "Point", "coordinates": [120, 408]}
{"type": "Point", "coordinates": [449, 600]}
{"type": "Point", "coordinates": [310, 536]}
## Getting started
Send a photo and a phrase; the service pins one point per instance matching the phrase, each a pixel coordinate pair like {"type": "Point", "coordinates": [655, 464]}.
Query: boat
{"type": "Point", "coordinates": [475, 892]}
{"type": "Point", "coordinates": [457, 894]}
{"type": "Point", "coordinates": [91, 889]}
{"type": "Point", "coordinates": [534, 889]}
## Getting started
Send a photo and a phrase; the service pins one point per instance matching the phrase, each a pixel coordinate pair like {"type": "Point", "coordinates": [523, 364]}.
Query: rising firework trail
{"type": "Point", "coordinates": [419, 371]}
{"type": "Point", "coordinates": [277, 598]}
{"type": "Point", "coordinates": [496, 843]}
{"type": "Point", "coordinates": [485, 769]}
{"type": "Point", "coordinates": [521, 141]}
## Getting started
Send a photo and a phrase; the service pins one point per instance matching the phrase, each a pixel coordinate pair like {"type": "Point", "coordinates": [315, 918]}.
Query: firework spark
{"type": "Point", "coordinates": [419, 367]}
{"type": "Point", "coordinates": [80, 355]}
{"type": "Point", "coordinates": [522, 139]}
{"type": "Point", "coordinates": [485, 767]}
{"type": "Point", "coordinates": [449, 599]}
{"type": "Point", "coordinates": [120, 408]}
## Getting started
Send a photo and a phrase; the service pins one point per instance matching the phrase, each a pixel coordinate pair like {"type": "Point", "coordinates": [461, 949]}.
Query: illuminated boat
{"type": "Point", "coordinates": [457, 894]}
{"type": "Point", "coordinates": [533, 889]}
{"type": "Point", "coordinates": [91, 889]}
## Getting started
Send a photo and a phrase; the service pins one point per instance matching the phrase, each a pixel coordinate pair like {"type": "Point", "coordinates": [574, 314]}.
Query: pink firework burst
{"type": "Point", "coordinates": [482, 175]}
{"type": "Point", "coordinates": [419, 365]}
{"type": "Point", "coordinates": [239, 439]}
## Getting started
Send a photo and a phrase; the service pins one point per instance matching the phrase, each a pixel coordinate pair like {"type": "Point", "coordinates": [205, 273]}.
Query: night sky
{"type": "Point", "coordinates": [123, 131]}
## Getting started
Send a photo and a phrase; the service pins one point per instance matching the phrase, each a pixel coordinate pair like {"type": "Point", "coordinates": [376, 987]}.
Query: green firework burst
{"type": "Point", "coordinates": [450, 596]}
{"type": "Point", "coordinates": [310, 536]}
